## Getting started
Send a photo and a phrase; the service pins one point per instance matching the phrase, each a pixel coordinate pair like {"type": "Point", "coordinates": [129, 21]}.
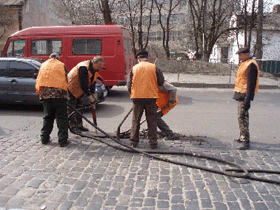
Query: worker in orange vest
{"type": "Point", "coordinates": [167, 100]}
{"type": "Point", "coordinates": [81, 80]}
{"type": "Point", "coordinates": [51, 85]}
{"type": "Point", "coordinates": [246, 85]}
{"type": "Point", "coordinates": [143, 82]}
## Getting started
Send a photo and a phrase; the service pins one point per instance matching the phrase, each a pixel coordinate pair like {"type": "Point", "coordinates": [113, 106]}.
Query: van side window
{"type": "Point", "coordinates": [16, 48]}
{"type": "Point", "coordinates": [87, 47]}
{"type": "Point", "coordinates": [46, 46]}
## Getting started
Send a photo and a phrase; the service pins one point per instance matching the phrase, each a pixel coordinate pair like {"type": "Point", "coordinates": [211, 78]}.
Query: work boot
{"type": "Point", "coordinates": [237, 140]}
{"type": "Point", "coordinates": [243, 145]}
{"type": "Point", "coordinates": [82, 128]}
{"type": "Point", "coordinates": [133, 144]}
{"type": "Point", "coordinates": [172, 137]}
{"type": "Point", "coordinates": [45, 141]}
{"type": "Point", "coordinates": [64, 144]}
{"type": "Point", "coordinates": [153, 146]}
{"type": "Point", "coordinates": [75, 130]}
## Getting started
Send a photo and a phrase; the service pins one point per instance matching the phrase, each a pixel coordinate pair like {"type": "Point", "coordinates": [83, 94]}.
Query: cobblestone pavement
{"type": "Point", "coordinates": [90, 175]}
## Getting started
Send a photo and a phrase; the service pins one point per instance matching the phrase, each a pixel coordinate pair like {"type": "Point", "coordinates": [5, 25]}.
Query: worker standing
{"type": "Point", "coordinates": [81, 80]}
{"type": "Point", "coordinates": [167, 100]}
{"type": "Point", "coordinates": [142, 83]}
{"type": "Point", "coordinates": [246, 85]}
{"type": "Point", "coordinates": [51, 85]}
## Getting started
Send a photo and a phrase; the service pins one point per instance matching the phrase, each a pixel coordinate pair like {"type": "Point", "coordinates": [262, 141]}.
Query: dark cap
{"type": "Point", "coordinates": [243, 50]}
{"type": "Point", "coordinates": [142, 54]}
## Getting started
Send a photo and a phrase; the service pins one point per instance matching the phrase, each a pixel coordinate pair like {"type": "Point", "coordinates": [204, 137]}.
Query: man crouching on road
{"type": "Point", "coordinates": [246, 85]}
{"type": "Point", "coordinates": [81, 80]}
{"type": "Point", "coordinates": [142, 84]}
{"type": "Point", "coordinates": [167, 100]}
{"type": "Point", "coordinates": [51, 85]}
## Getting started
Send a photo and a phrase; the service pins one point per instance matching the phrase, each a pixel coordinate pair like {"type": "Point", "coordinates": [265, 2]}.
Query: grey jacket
{"type": "Point", "coordinates": [170, 89]}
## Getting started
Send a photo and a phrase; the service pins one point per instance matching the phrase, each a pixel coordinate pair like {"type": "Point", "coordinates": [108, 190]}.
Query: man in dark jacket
{"type": "Point", "coordinates": [246, 85]}
{"type": "Point", "coordinates": [142, 84]}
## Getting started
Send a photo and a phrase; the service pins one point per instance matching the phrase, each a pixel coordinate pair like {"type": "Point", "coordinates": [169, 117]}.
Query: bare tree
{"type": "Point", "coordinates": [86, 12]}
{"type": "Point", "coordinates": [136, 15]}
{"type": "Point", "coordinates": [165, 10]}
{"type": "Point", "coordinates": [210, 21]}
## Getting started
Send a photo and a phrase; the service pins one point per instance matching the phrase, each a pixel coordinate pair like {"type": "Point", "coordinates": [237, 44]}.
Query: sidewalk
{"type": "Point", "coordinates": [206, 81]}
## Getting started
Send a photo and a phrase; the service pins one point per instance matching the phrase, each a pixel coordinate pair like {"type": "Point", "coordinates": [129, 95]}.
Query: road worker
{"type": "Point", "coordinates": [51, 85]}
{"type": "Point", "coordinates": [246, 85]}
{"type": "Point", "coordinates": [167, 100]}
{"type": "Point", "coordinates": [81, 80]}
{"type": "Point", "coordinates": [143, 82]}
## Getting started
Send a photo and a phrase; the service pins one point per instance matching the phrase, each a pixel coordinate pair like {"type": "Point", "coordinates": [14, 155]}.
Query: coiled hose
{"type": "Point", "coordinates": [236, 172]}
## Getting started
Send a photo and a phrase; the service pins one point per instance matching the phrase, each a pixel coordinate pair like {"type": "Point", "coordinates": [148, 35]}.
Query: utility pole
{"type": "Point", "coordinates": [259, 43]}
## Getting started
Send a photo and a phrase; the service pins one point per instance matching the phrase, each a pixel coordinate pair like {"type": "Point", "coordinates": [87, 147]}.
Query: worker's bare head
{"type": "Point", "coordinates": [97, 62]}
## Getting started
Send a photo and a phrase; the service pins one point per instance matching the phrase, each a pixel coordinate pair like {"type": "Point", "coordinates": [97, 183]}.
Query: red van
{"type": "Point", "coordinates": [75, 44]}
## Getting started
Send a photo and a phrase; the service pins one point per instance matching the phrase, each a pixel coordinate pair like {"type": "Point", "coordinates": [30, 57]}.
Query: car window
{"type": "Point", "coordinates": [2, 68]}
{"type": "Point", "coordinates": [21, 69]}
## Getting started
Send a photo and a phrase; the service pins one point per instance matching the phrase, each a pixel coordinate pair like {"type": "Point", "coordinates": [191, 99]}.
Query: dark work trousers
{"type": "Point", "coordinates": [55, 108]}
{"type": "Point", "coordinates": [163, 126]}
{"type": "Point", "coordinates": [76, 120]}
{"type": "Point", "coordinates": [150, 107]}
{"type": "Point", "coordinates": [243, 121]}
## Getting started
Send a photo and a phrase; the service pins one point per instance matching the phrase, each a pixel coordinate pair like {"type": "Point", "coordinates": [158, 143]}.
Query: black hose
{"type": "Point", "coordinates": [238, 172]}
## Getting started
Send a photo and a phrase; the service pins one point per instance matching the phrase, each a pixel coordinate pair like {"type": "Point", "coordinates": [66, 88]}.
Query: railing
{"type": "Point", "coordinates": [270, 66]}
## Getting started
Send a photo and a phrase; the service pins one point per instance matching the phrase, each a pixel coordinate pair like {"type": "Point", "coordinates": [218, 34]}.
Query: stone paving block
{"type": "Point", "coordinates": [149, 202]}
{"type": "Point", "coordinates": [206, 203]}
{"type": "Point", "coordinates": [35, 183]}
{"type": "Point", "coordinates": [260, 206]}
{"type": "Point", "coordinates": [220, 205]}
{"type": "Point", "coordinates": [73, 196]}
{"type": "Point", "coordinates": [81, 202]}
{"type": "Point", "coordinates": [15, 203]}
{"type": "Point", "coordinates": [66, 205]}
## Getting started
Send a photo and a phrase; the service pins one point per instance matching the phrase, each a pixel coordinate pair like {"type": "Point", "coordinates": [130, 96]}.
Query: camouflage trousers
{"type": "Point", "coordinates": [76, 120]}
{"type": "Point", "coordinates": [243, 121]}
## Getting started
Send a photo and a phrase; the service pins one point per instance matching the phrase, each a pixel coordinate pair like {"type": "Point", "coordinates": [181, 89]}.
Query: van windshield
{"type": "Point", "coordinates": [87, 47]}
{"type": "Point", "coordinates": [46, 46]}
{"type": "Point", "coordinates": [16, 48]}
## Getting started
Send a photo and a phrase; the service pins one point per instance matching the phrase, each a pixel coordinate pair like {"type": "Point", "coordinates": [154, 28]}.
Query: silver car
{"type": "Point", "coordinates": [18, 78]}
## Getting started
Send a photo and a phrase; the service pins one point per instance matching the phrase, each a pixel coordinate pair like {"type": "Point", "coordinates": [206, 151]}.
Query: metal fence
{"type": "Point", "coordinates": [270, 66]}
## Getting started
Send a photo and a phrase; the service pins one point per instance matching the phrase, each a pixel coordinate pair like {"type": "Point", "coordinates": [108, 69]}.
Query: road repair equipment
{"type": "Point", "coordinates": [235, 171]}
{"type": "Point", "coordinates": [126, 133]}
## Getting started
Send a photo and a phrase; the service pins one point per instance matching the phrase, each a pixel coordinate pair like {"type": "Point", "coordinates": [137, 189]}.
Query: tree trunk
{"type": "Point", "coordinates": [105, 9]}
{"type": "Point", "coordinates": [259, 30]}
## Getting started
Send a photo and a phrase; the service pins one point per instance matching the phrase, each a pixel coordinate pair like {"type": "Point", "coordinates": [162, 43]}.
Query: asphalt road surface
{"type": "Point", "coordinates": [201, 112]}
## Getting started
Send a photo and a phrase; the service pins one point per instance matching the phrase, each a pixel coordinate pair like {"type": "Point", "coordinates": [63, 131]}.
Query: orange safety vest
{"type": "Point", "coordinates": [51, 74]}
{"type": "Point", "coordinates": [241, 76]}
{"type": "Point", "coordinates": [163, 102]}
{"type": "Point", "coordinates": [74, 80]}
{"type": "Point", "coordinates": [144, 81]}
